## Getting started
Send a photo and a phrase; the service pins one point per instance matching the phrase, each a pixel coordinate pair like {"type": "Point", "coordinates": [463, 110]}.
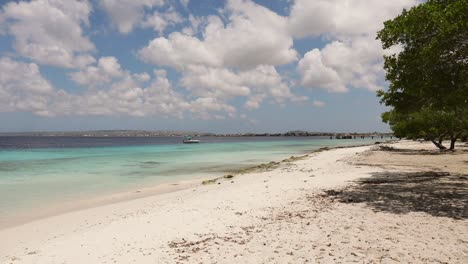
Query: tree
{"type": "Point", "coordinates": [429, 124]}
{"type": "Point", "coordinates": [428, 90]}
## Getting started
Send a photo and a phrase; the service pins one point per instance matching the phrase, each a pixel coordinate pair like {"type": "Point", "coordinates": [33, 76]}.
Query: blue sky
{"type": "Point", "coordinates": [205, 65]}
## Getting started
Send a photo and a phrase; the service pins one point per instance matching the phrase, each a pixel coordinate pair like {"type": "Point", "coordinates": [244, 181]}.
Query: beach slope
{"type": "Point", "coordinates": [397, 204]}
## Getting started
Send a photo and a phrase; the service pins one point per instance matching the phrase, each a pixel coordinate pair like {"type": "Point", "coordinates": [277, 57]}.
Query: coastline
{"type": "Point", "coordinates": [23, 217]}
{"type": "Point", "coordinates": [132, 193]}
{"type": "Point", "coordinates": [279, 215]}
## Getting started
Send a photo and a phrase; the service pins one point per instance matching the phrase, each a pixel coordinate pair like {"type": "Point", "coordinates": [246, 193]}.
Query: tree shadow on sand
{"type": "Point", "coordinates": [411, 152]}
{"type": "Point", "coordinates": [435, 193]}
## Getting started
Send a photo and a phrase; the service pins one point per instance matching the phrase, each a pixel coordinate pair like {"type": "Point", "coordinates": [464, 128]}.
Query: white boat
{"type": "Point", "coordinates": [190, 140]}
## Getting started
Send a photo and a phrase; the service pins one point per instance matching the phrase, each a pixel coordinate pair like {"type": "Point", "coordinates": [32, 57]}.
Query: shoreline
{"type": "Point", "coordinates": [132, 197]}
{"type": "Point", "coordinates": [27, 216]}
{"type": "Point", "coordinates": [325, 208]}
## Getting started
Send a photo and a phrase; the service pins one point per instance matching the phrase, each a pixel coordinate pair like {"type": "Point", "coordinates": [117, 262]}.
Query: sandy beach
{"type": "Point", "coordinates": [399, 202]}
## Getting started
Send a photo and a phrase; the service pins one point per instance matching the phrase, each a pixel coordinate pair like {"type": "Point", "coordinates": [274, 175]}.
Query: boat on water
{"type": "Point", "coordinates": [190, 140]}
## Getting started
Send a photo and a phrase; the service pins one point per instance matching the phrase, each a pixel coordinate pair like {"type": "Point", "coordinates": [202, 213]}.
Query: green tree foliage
{"type": "Point", "coordinates": [428, 90]}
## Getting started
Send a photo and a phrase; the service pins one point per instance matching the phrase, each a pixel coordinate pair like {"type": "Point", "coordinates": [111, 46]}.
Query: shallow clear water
{"type": "Point", "coordinates": [38, 171]}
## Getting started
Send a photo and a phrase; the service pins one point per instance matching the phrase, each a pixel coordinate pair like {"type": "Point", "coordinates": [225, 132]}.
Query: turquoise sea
{"type": "Point", "coordinates": [38, 172]}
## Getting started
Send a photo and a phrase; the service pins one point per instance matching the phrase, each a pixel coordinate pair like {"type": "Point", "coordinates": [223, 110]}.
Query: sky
{"type": "Point", "coordinates": [222, 66]}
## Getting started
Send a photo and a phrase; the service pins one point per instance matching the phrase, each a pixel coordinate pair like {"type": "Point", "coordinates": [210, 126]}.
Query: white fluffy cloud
{"type": "Point", "coordinates": [27, 91]}
{"type": "Point", "coordinates": [255, 84]}
{"type": "Point", "coordinates": [254, 35]}
{"type": "Point", "coordinates": [316, 74]}
{"type": "Point", "coordinates": [30, 79]}
{"type": "Point", "coordinates": [354, 63]}
{"type": "Point", "coordinates": [124, 94]}
{"type": "Point", "coordinates": [126, 14]}
{"type": "Point", "coordinates": [209, 108]}
{"type": "Point", "coordinates": [353, 58]}
{"type": "Point", "coordinates": [231, 59]}
{"type": "Point", "coordinates": [130, 96]}
{"type": "Point", "coordinates": [49, 31]}
{"type": "Point", "coordinates": [127, 96]}
{"type": "Point", "coordinates": [342, 17]}
{"type": "Point", "coordinates": [106, 69]}
{"type": "Point", "coordinates": [159, 21]}
{"type": "Point", "coordinates": [177, 51]}
{"type": "Point", "coordinates": [214, 82]}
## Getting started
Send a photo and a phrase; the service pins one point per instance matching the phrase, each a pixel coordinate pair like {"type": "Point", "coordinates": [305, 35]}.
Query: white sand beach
{"type": "Point", "coordinates": [411, 208]}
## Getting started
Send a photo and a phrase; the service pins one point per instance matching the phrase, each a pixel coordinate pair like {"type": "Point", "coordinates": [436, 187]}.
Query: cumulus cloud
{"type": "Point", "coordinates": [126, 14]}
{"type": "Point", "coordinates": [49, 31]}
{"type": "Point", "coordinates": [177, 51]}
{"type": "Point", "coordinates": [341, 64]}
{"type": "Point", "coordinates": [196, 25]}
{"type": "Point", "coordinates": [353, 58]}
{"type": "Point", "coordinates": [106, 69]}
{"type": "Point", "coordinates": [231, 59]}
{"type": "Point", "coordinates": [214, 82]}
{"type": "Point", "coordinates": [207, 108]}
{"type": "Point", "coordinates": [316, 74]}
{"type": "Point", "coordinates": [253, 36]}
{"type": "Point", "coordinates": [125, 94]}
{"type": "Point", "coordinates": [338, 17]}
{"type": "Point", "coordinates": [27, 91]}
{"type": "Point", "coordinates": [159, 21]}
{"type": "Point", "coordinates": [129, 97]}
{"type": "Point", "coordinates": [255, 84]}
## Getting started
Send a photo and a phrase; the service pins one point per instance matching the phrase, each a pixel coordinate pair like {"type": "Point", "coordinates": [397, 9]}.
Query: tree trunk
{"type": "Point", "coordinates": [453, 140]}
{"type": "Point", "coordinates": [437, 144]}
{"type": "Point", "coordinates": [441, 137]}
{"type": "Point", "coordinates": [452, 143]}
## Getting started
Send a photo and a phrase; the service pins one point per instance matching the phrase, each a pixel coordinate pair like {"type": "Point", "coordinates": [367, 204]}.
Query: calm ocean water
{"type": "Point", "coordinates": [37, 171]}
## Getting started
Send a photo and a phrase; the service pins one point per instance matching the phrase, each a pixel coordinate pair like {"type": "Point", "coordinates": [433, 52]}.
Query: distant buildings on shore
{"type": "Point", "coordinates": [143, 133]}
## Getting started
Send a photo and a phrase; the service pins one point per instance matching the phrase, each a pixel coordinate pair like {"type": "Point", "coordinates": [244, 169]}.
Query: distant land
{"type": "Point", "coordinates": [144, 133]}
